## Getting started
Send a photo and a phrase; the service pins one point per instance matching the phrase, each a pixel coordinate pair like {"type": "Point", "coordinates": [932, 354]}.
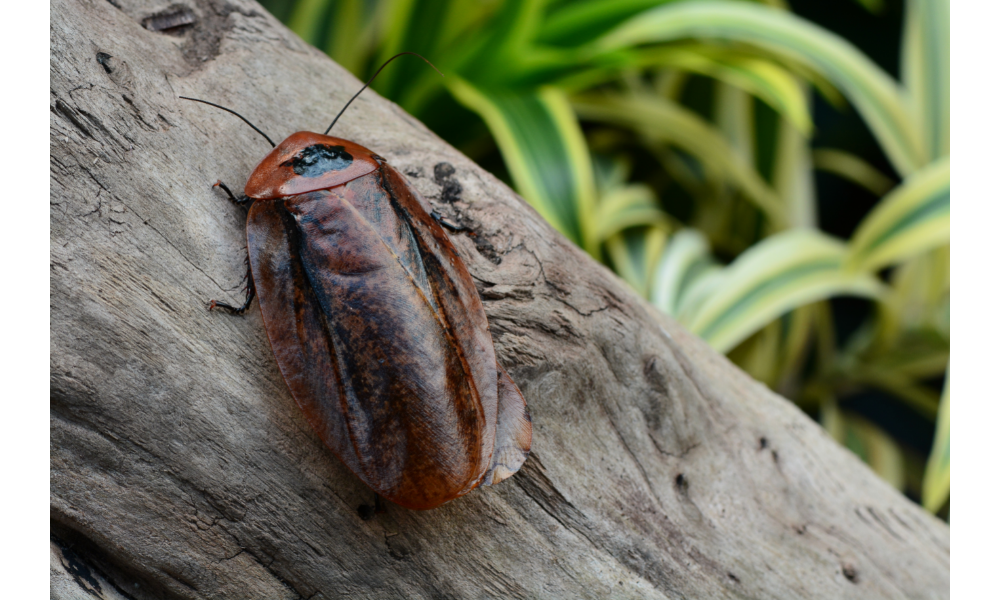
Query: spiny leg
{"type": "Point", "coordinates": [251, 292]}
{"type": "Point", "coordinates": [243, 202]}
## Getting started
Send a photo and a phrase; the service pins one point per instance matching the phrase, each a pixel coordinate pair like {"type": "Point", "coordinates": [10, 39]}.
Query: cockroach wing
{"type": "Point", "coordinates": [513, 434]}
{"type": "Point", "coordinates": [378, 338]}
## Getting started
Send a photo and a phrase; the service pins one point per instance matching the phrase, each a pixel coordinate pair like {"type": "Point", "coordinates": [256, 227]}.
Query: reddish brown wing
{"type": "Point", "coordinates": [513, 433]}
{"type": "Point", "coordinates": [454, 290]}
{"type": "Point", "coordinates": [376, 333]}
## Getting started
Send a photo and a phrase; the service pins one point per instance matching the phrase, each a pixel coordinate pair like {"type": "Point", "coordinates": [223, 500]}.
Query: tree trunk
{"type": "Point", "coordinates": [182, 468]}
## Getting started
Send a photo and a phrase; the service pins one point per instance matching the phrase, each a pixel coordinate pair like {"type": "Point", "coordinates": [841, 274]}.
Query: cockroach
{"type": "Point", "coordinates": [375, 322]}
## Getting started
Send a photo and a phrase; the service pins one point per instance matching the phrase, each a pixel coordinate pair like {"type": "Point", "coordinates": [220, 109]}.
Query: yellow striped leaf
{"type": "Point", "coordinates": [765, 79]}
{"type": "Point", "coordinates": [545, 152]}
{"type": "Point", "coordinates": [878, 98]}
{"type": "Point", "coordinates": [793, 176]}
{"type": "Point", "coordinates": [634, 254]}
{"type": "Point", "coordinates": [910, 220]}
{"type": "Point", "coordinates": [926, 70]}
{"type": "Point", "coordinates": [937, 478]}
{"type": "Point", "coordinates": [668, 122]}
{"type": "Point", "coordinates": [785, 271]}
{"type": "Point", "coordinates": [852, 168]}
{"type": "Point", "coordinates": [627, 206]}
{"type": "Point", "coordinates": [685, 257]}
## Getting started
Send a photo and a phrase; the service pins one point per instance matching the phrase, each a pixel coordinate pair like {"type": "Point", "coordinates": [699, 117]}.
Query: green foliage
{"type": "Point", "coordinates": [782, 272]}
{"type": "Point", "coordinates": [938, 477]}
{"type": "Point", "coordinates": [701, 196]}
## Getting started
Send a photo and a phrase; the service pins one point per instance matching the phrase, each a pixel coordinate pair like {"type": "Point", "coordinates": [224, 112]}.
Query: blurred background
{"type": "Point", "coordinates": [774, 175]}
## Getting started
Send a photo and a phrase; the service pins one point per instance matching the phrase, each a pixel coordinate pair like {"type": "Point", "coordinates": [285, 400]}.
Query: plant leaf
{"type": "Point", "coordinates": [763, 78]}
{"type": "Point", "coordinates": [545, 152]}
{"type": "Point", "coordinates": [852, 168]}
{"type": "Point", "coordinates": [634, 254]}
{"type": "Point", "coordinates": [668, 122]}
{"type": "Point", "coordinates": [937, 477]}
{"type": "Point", "coordinates": [578, 22]}
{"type": "Point", "coordinates": [785, 271]}
{"type": "Point", "coordinates": [627, 206]}
{"type": "Point", "coordinates": [878, 98]}
{"type": "Point", "coordinates": [910, 220]}
{"type": "Point", "coordinates": [760, 354]}
{"type": "Point", "coordinates": [880, 451]}
{"type": "Point", "coordinates": [793, 176]}
{"type": "Point", "coordinates": [872, 6]}
{"type": "Point", "coordinates": [926, 58]}
{"type": "Point", "coordinates": [920, 397]}
{"type": "Point", "coordinates": [350, 35]}
{"type": "Point", "coordinates": [685, 257]}
{"type": "Point", "coordinates": [306, 20]}
{"type": "Point", "coordinates": [919, 292]}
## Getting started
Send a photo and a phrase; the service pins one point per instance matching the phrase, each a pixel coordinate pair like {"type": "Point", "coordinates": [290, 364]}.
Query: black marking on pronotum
{"type": "Point", "coordinates": [317, 159]}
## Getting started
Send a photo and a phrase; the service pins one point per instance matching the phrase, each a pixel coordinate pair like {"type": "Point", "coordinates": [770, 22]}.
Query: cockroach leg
{"type": "Point", "coordinates": [251, 292]}
{"type": "Point", "coordinates": [241, 201]}
{"type": "Point", "coordinates": [448, 224]}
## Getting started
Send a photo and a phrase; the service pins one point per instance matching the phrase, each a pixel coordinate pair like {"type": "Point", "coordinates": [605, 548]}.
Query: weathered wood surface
{"type": "Point", "coordinates": [181, 468]}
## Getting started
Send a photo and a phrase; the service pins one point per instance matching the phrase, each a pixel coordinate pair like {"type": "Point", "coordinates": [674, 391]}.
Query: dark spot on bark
{"type": "Point", "coordinates": [175, 20]}
{"type": "Point", "coordinates": [443, 171]}
{"type": "Point", "coordinates": [105, 59]}
{"type": "Point", "coordinates": [488, 251]}
{"type": "Point", "coordinates": [318, 159]}
{"type": "Point", "coordinates": [763, 443]}
{"type": "Point", "coordinates": [774, 455]}
{"type": "Point", "coordinates": [202, 28]}
{"type": "Point", "coordinates": [850, 572]}
{"type": "Point", "coordinates": [451, 190]}
{"type": "Point", "coordinates": [733, 577]}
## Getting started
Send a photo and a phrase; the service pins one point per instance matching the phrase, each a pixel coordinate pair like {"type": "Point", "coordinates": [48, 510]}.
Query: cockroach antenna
{"type": "Point", "coordinates": [373, 79]}
{"type": "Point", "coordinates": [233, 112]}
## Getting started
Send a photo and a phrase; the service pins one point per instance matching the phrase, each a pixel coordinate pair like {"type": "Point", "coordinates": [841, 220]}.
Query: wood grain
{"type": "Point", "coordinates": [181, 467]}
